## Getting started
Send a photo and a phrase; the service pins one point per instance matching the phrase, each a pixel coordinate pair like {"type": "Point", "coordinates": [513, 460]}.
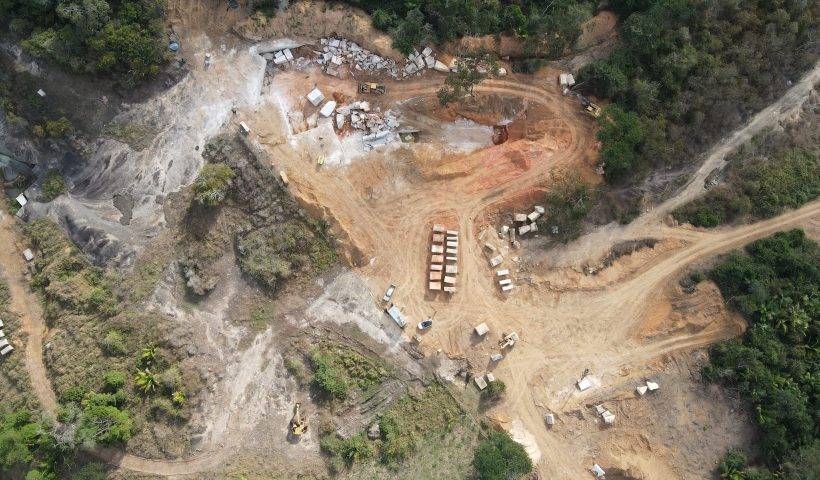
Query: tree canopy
{"type": "Point", "coordinates": [122, 38]}
{"type": "Point", "coordinates": [775, 284]}
{"type": "Point", "coordinates": [500, 458]}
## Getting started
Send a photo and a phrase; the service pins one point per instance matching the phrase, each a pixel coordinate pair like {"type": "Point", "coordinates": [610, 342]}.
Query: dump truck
{"type": "Point", "coordinates": [298, 425]}
{"type": "Point", "coordinates": [370, 87]}
{"type": "Point", "coordinates": [590, 108]}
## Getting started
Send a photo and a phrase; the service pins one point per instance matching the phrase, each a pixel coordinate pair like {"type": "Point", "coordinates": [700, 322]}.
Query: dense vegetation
{"type": "Point", "coordinates": [500, 458]}
{"type": "Point", "coordinates": [277, 252]}
{"type": "Point", "coordinates": [338, 370]}
{"type": "Point", "coordinates": [53, 185]}
{"type": "Point", "coordinates": [775, 284]}
{"type": "Point", "coordinates": [566, 205]}
{"type": "Point", "coordinates": [213, 183]}
{"type": "Point", "coordinates": [546, 27]}
{"type": "Point", "coordinates": [123, 38]}
{"type": "Point", "coordinates": [775, 170]}
{"type": "Point", "coordinates": [690, 70]}
{"type": "Point", "coordinates": [108, 363]}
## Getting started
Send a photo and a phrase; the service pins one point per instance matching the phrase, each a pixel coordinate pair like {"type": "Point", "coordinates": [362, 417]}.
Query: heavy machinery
{"type": "Point", "coordinates": [298, 425]}
{"type": "Point", "coordinates": [590, 108]}
{"type": "Point", "coordinates": [508, 340]}
{"type": "Point", "coordinates": [370, 87]}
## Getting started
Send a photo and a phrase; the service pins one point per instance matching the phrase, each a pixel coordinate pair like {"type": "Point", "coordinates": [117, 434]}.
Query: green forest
{"type": "Point", "coordinates": [688, 71]}
{"type": "Point", "coordinates": [547, 27]}
{"type": "Point", "coordinates": [775, 365]}
{"type": "Point", "coordinates": [123, 39]}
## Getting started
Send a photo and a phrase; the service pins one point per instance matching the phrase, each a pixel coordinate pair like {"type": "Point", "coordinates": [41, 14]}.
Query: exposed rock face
{"type": "Point", "coordinates": [184, 117]}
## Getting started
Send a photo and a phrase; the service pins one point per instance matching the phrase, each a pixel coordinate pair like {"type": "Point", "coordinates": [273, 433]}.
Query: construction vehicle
{"type": "Point", "coordinates": [508, 340]}
{"type": "Point", "coordinates": [370, 87]}
{"type": "Point", "coordinates": [590, 108]}
{"type": "Point", "coordinates": [298, 425]}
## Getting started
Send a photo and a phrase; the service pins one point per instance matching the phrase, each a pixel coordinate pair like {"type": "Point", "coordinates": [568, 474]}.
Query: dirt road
{"type": "Point", "coordinates": [25, 304]}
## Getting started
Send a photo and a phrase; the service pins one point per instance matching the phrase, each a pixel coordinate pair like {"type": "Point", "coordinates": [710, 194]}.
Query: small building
{"type": "Point", "coordinates": [506, 288]}
{"type": "Point", "coordinates": [315, 97]}
{"type": "Point", "coordinates": [22, 200]}
{"type": "Point", "coordinates": [502, 273]}
{"type": "Point", "coordinates": [28, 255]}
{"type": "Point", "coordinates": [437, 259]}
{"type": "Point", "coordinates": [481, 329]}
{"type": "Point", "coordinates": [435, 285]}
{"type": "Point", "coordinates": [452, 244]}
{"type": "Point", "coordinates": [523, 229]}
{"type": "Point", "coordinates": [520, 217]}
{"type": "Point", "coordinates": [489, 377]}
{"type": "Point", "coordinates": [438, 228]}
{"type": "Point", "coordinates": [452, 251]}
{"type": "Point", "coordinates": [438, 238]}
{"type": "Point", "coordinates": [436, 249]}
{"type": "Point", "coordinates": [450, 280]}
{"type": "Point", "coordinates": [451, 269]}
{"type": "Point", "coordinates": [436, 268]}
{"type": "Point", "coordinates": [598, 471]}
{"type": "Point", "coordinates": [452, 258]}
{"type": "Point", "coordinates": [41, 93]}
{"type": "Point", "coordinates": [452, 233]}
{"type": "Point", "coordinates": [480, 383]}
{"type": "Point", "coordinates": [496, 357]}
{"type": "Point", "coordinates": [450, 289]}
{"type": "Point", "coordinates": [641, 390]}
{"type": "Point", "coordinates": [550, 419]}
{"type": "Point", "coordinates": [533, 216]}
{"type": "Point", "coordinates": [652, 386]}
{"type": "Point", "coordinates": [496, 261]}
{"type": "Point", "coordinates": [244, 128]}
{"type": "Point", "coordinates": [505, 281]}
{"type": "Point", "coordinates": [435, 275]}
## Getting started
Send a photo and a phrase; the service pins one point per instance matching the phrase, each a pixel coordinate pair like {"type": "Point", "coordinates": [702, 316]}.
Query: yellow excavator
{"type": "Point", "coordinates": [298, 425]}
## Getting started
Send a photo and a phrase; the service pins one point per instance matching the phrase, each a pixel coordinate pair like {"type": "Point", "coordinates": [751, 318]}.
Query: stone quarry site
{"type": "Point", "coordinates": [432, 214]}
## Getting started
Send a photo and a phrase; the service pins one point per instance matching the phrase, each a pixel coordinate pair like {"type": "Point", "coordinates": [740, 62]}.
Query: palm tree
{"type": "Point", "coordinates": [149, 354]}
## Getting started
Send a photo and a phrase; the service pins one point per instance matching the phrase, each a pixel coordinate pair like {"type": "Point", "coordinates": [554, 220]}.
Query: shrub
{"type": "Point", "coordinates": [113, 381]}
{"type": "Point", "coordinates": [329, 377]}
{"type": "Point", "coordinates": [495, 391]}
{"type": "Point", "coordinates": [53, 186]}
{"type": "Point", "coordinates": [58, 128]}
{"type": "Point", "coordinates": [213, 183]}
{"type": "Point", "coordinates": [113, 344]}
{"type": "Point", "coordinates": [500, 458]}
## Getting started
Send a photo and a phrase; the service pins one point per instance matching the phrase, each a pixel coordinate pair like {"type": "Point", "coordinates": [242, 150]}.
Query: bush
{"type": "Point", "coordinates": [500, 458]}
{"type": "Point", "coordinates": [113, 381]}
{"type": "Point", "coordinates": [113, 344]}
{"type": "Point", "coordinates": [213, 183]}
{"type": "Point", "coordinates": [53, 186]}
{"type": "Point", "coordinates": [495, 391]}
{"type": "Point", "coordinates": [58, 128]}
{"type": "Point", "coordinates": [566, 206]}
{"type": "Point", "coordinates": [329, 377]}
